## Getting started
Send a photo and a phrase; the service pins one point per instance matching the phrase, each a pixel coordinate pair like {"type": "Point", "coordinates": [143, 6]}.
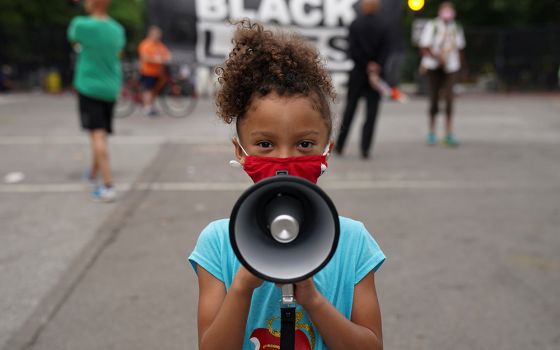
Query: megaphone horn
{"type": "Point", "coordinates": [284, 229]}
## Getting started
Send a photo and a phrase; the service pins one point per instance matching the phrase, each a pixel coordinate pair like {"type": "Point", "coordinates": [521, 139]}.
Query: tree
{"type": "Point", "coordinates": [34, 31]}
{"type": "Point", "coordinates": [501, 13]}
{"type": "Point", "coordinates": [27, 28]}
{"type": "Point", "coordinates": [514, 38]}
{"type": "Point", "coordinates": [131, 14]}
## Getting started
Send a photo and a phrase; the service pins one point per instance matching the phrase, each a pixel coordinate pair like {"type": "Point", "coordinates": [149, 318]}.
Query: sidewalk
{"type": "Point", "coordinates": [471, 234]}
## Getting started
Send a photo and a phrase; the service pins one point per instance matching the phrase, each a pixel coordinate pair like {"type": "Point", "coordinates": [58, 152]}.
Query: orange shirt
{"type": "Point", "coordinates": [153, 50]}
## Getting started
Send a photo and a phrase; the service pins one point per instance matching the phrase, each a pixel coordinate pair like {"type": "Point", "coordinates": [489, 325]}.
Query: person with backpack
{"type": "Point", "coordinates": [441, 45]}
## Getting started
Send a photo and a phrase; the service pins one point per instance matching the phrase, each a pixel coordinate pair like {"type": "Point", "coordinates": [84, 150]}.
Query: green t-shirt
{"type": "Point", "coordinates": [98, 71]}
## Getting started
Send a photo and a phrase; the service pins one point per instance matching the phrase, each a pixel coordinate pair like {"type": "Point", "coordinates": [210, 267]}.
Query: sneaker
{"type": "Point", "coordinates": [103, 194]}
{"type": "Point", "coordinates": [450, 141]}
{"type": "Point", "coordinates": [153, 113]}
{"type": "Point", "coordinates": [431, 139]}
{"type": "Point", "coordinates": [150, 112]}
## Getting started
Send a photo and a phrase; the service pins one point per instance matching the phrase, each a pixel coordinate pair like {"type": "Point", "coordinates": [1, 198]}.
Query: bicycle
{"type": "Point", "coordinates": [175, 92]}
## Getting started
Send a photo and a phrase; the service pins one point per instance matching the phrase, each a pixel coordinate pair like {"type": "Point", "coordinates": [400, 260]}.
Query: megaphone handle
{"type": "Point", "coordinates": [288, 296]}
{"type": "Point", "coordinates": [288, 328]}
{"type": "Point", "coordinates": [288, 318]}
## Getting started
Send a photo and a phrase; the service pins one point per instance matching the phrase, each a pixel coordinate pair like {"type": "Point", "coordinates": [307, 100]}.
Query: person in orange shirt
{"type": "Point", "coordinates": [153, 56]}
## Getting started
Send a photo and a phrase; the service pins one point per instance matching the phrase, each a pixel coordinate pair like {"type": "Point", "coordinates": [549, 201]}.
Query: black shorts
{"type": "Point", "coordinates": [96, 114]}
{"type": "Point", "coordinates": [148, 82]}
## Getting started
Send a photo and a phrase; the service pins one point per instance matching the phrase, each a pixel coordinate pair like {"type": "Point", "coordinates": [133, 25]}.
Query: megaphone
{"type": "Point", "coordinates": [284, 229]}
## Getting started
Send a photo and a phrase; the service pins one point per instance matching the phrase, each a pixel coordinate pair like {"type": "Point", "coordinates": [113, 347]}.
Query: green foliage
{"type": "Point", "coordinates": [500, 13]}
{"type": "Point", "coordinates": [34, 31]}
{"type": "Point", "coordinates": [24, 26]}
{"type": "Point", "coordinates": [487, 23]}
{"type": "Point", "coordinates": [130, 13]}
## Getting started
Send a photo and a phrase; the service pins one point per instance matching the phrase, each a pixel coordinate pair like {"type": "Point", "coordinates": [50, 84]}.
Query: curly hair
{"type": "Point", "coordinates": [262, 62]}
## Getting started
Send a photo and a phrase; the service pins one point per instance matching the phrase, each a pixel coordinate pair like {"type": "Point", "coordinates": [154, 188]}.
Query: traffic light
{"type": "Point", "coordinates": [416, 5]}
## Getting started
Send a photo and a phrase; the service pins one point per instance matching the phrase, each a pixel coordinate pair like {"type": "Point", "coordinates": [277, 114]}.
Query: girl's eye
{"type": "Point", "coordinates": [306, 144]}
{"type": "Point", "coordinates": [264, 144]}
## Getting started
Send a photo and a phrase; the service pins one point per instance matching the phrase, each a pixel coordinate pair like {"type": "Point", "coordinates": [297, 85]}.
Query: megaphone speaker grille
{"type": "Point", "coordinates": [305, 236]}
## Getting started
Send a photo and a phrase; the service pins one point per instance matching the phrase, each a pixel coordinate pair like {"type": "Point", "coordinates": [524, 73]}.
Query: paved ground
{"type": "Point", "coordinates": [472, 234]}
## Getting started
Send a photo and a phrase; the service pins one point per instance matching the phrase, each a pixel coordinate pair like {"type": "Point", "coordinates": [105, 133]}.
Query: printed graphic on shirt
{"type": "Point", "coordinates": [269, 338]}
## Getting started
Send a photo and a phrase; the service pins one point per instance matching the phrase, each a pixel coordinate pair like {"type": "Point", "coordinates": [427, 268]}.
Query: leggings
{"type": "Point", "coordinates": [440, 81]}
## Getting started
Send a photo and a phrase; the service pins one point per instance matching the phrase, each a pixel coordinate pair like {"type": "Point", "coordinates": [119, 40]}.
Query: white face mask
{"type": "Point", "coordinates": [447, 14]}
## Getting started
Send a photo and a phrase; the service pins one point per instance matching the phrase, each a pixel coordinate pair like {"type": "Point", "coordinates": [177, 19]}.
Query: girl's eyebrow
{"type": "Point", "coordinates": [272, 134]}
{"type": "Point", "coordinates": [308, 132]}
{"type": "Point", "coordinates": [262, 133]}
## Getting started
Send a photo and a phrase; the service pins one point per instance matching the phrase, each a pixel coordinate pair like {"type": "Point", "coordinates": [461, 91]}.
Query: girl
{"type": "Point", "coordinates": [276, 90]}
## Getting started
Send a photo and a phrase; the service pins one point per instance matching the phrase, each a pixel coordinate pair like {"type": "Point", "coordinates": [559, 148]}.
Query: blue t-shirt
{"type": "Point", "coordinates": [356, 255]}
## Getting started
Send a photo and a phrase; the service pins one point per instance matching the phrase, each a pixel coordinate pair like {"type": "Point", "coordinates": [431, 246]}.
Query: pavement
{"type": "Point", "coordinates": [471, 234]}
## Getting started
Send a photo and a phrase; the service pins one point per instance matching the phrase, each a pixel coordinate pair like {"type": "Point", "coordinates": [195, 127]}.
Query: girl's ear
{"type": "Point", "coordinates": [239, 154]}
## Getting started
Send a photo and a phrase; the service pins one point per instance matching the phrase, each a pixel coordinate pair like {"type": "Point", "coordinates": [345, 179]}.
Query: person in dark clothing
{"type": "Point", "coordinates": [368, 48]}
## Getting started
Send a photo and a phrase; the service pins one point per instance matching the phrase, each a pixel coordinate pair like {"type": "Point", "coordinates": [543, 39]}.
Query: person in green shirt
{"type": "Point", "coordinates": [98, 39]}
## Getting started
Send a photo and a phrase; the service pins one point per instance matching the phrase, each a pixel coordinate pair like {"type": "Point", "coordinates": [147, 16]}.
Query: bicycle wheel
{"type": "Point", "coordinates": [178, 98]}
{"type": "Point", "coordinates": [126, 103]}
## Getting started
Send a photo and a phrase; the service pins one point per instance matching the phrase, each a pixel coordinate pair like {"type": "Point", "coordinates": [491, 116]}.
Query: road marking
{"type": "Point", "coordinates": [239, 186]}
{"type": "Point", "coordinates": [118, 140]}
{"type": "Point", "coordinates": [534, 261]}
{"type": "Point", "coordinates": [7, 100]}
{"type": "Point", "coordinates": [507, 137]}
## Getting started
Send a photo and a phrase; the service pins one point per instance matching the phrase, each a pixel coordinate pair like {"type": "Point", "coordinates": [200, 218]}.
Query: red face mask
{"type": "Point", "coordinates": [307, 167]}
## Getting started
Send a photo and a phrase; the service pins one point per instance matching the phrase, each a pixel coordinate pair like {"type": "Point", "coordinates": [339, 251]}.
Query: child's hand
{"type": "Point", "coordinates": [245, 280]}
{"type": "Point", "coordinates": [306, 294]}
